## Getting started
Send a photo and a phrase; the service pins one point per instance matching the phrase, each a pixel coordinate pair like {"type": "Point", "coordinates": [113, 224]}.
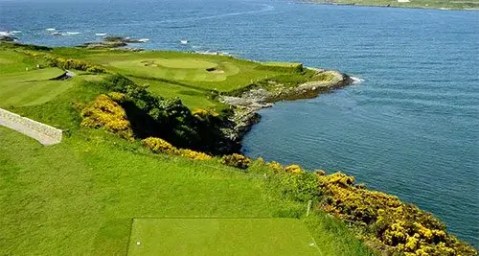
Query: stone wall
{"type": "Point", "coordinates": [45, 134]}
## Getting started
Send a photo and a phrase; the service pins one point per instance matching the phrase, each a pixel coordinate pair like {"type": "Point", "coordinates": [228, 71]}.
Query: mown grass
{"type": "Point", "coordinates": [80, 196]}
{"type": "Point", "coordinates": [32, 87]}
{"type": "Point", "coordinates": [189, 68]}
{"type": "Point", "coordinates": [185, 75]}
{"type": "Point", "coordinates": [220, 236]}
{"type": "Point", "coordinates": [193, 78]}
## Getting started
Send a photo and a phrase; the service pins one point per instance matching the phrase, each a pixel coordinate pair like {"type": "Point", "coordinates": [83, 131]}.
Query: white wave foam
{"type": "Point", "coordinates": [220, 53]}
{"type": "Point", "coordinates": [68, 33]}
{"type": "Point", "coordinates": [357, 80]}
{"type": "Point", "coordinates": [100, 34]}
{"type": "Point", "coordinates": [51, 29]}
{"type": "Point", "coordinates": [72, 33]}
{"type": "Point", "coordinates": [4, 33]}
{"type": "Point", "coordinates": [143, 40]}
{"type": "Point", "coordinates": [14, 32]}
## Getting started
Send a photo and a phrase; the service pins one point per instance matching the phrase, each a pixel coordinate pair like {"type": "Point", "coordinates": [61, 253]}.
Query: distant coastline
{"type": "Point", "coordinates": [472, 5]}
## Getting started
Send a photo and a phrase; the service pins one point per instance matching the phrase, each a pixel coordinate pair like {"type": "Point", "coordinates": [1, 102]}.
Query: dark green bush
{"type": "Point", "coordinates": [295, 186]}
{"type": "Point", "coordinates": [153, 116]}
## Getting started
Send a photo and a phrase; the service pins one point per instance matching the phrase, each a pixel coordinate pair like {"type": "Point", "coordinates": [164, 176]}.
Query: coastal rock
{"type": "Point", "coordinates": [7, 38]}
{"type": "Point", "coordinates": [246, 105]}
{"type": "Point", "coordinates": [241, 121]}
{"type": "Point", "coordinates": [112, 42]}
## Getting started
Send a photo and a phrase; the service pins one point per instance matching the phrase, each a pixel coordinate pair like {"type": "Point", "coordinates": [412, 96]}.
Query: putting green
{"type": "Point", "coordinates": [181, 69]}
{"type": "Point", "coordinates": [179, 63]}
{"type": "Point", "coordinates": [31, 87]}
{"type": "Point", "coordinates": [185, 63]}
{"type": "Point", "coordinates": [215, 237]}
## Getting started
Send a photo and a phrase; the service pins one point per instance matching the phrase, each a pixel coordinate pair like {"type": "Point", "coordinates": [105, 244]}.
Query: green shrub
{"type": "Point", "coordinates": [153, 116]}
{"type": "Point", "coordinates": [295, 186]}
{"type": "Point", "coordinates": [95, 69]}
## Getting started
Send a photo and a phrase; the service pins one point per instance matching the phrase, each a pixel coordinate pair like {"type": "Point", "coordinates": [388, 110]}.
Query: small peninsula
{"type": "Point", "coordinates": [151, 140]}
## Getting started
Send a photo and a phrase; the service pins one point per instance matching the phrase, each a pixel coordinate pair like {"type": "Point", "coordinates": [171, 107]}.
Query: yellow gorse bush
{"type": "Point", "coordinates": [117, 96]}
{"type": "Point", "coordinates": [200, 112]}
{"type": "Point", "coordinates": [401, 228]}
{"type": "Point", "coordinates": [204, 113]}
{"type": "Point", "coordinates": [158, 145]}
{"type": "Point", "coordinates": [236, 160]}
{"type": "Point", "coordinates": [104, 112]}
{"type": "Point", "coordinates": [195, 155]}
{"type": "Point", "coordinates": [294, 168]}
{"type": "Point", "coordinates": [275, 166]}
{"type": "Point", "coordinates": [73, 64]}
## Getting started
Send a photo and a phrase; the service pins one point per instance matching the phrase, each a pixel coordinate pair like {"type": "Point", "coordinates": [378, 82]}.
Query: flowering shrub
{"type": "Point", "coordinates": [203, 113]}
{"type": "Point", "coordinates": [73, 64]}
{"type": "Point", "coordinates": [236, 160]}
{"type": "Point", "coordinates": [294, 168]}
{"type": "Point", "coordinates": [158, 145]}
{"type": "Point", "coordinates": [275, 166]}
{"type": "Point", "coordinates": [95, 69]}
{"type": "Point", "coordinates": [195, 155]}
{"type": "Point", "coordinates": [118, 97]}
{"type": "Point", "coordinates": [106, 113]}
{"type": "Point", "coordinates": [401, 228]}
{"type": "Point", "coordinates": [200, 112]}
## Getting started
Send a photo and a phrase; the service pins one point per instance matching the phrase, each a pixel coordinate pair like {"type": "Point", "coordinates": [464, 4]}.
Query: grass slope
{"type": "Point", "coordinates": [79, 197]}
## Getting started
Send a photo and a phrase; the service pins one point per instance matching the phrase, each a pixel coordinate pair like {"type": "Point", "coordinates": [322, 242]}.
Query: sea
{"type": "Point", "coordinates": [408, 126]}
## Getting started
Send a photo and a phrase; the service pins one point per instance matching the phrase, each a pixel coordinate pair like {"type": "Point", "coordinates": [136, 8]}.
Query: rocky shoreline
{"type": "Point", "coordinates": [246, 105]}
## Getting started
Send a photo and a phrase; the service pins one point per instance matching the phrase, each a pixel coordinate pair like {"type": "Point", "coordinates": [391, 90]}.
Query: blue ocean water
{"type": "Point", "coordinates": [410, 128]}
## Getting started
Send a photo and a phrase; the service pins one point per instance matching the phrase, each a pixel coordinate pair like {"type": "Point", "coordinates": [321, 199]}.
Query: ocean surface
{"type": "Point", "coordinates": [410, 128]}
